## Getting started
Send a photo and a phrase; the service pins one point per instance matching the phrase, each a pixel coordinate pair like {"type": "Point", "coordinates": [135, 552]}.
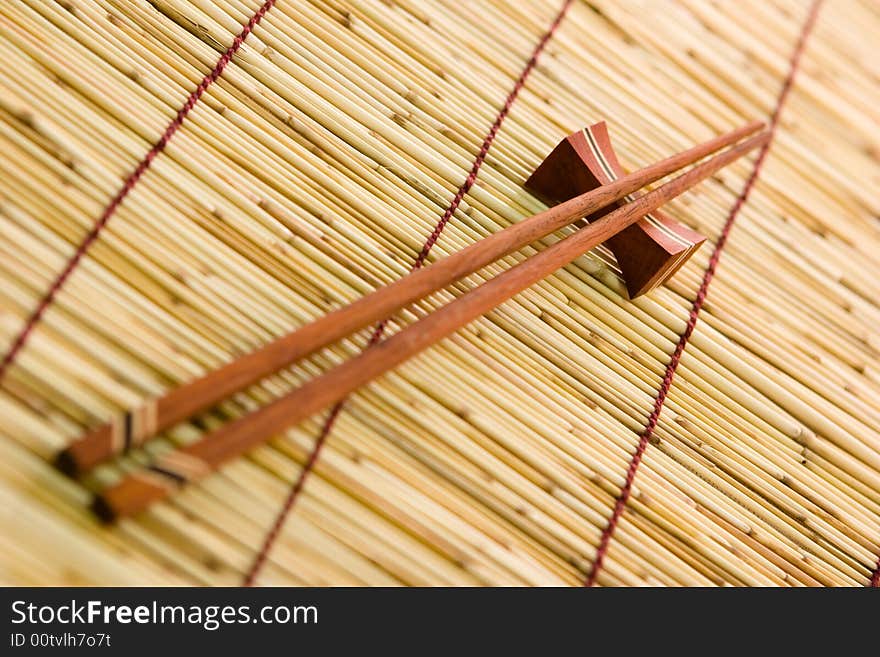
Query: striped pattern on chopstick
{"type": "Point", "coordinates": [134, 427]}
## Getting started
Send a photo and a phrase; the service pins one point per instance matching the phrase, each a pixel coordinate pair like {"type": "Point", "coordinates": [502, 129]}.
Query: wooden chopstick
{"type": "Point", "coordinates": [137, 425]}
{"type": "Point", "coordinates": [138, 490]}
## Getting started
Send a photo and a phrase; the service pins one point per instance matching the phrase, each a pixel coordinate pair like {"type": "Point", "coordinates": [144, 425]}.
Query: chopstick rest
{"type": "Point", "coordinates": [648, 252]}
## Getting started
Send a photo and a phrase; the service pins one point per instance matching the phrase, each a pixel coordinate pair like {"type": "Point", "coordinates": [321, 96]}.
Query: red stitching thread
{"type": "Point", "coordinates": [379, 331]}
{"type": "Point", "coordinates": [128, 185]}
{"type": "Point", "coordinates": [669, 375]}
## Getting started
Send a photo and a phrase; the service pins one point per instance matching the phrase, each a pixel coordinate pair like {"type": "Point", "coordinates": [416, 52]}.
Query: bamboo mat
{"type": "Point", "coordinates": [315, 167]}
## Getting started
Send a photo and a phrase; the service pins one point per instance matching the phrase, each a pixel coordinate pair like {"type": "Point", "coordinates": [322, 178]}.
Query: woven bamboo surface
{"type": "Point", "coordinates": [315, 168]}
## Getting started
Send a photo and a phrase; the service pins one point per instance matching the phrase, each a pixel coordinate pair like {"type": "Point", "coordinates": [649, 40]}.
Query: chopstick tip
{"type": "Point", "coordinates": [66, 463]}
{"type": "Point", "coordinates": [102, 509]}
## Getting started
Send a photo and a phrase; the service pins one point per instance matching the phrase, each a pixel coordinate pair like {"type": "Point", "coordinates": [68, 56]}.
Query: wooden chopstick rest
{"type": "Point", "coordinates": [647, 252]}
{"type": "Point", "coordinates": [168, 472]}
{"type": "Point", "coordinates": [135, 426]}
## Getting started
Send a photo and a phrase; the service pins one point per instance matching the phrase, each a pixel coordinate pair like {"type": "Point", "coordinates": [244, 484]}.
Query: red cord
{"type": "Point", "coordinates": [379, 331]}
{"type": "Point", "coordinates": [127, 186]}
{"type": "Point", "coordinates": [666, 384]}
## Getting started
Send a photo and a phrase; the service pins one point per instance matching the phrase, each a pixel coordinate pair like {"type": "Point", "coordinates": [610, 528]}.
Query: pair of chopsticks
{"type": "Point", "coordinates": [169, 471]}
